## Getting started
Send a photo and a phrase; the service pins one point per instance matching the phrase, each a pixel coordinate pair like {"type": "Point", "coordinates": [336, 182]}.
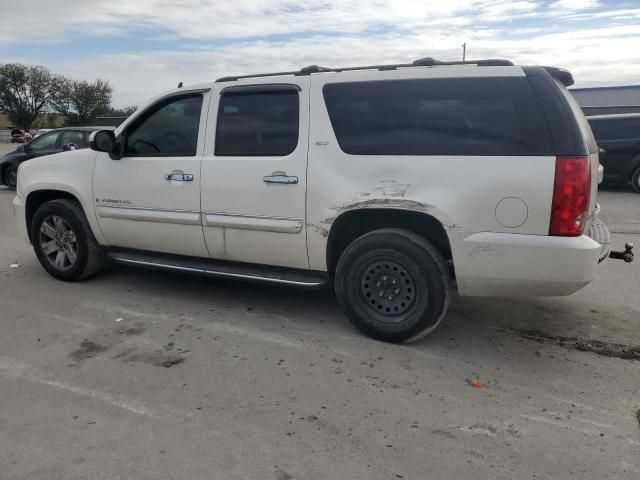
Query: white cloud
{"type": "Point", "coordinates": [331, 32]}
{"type": "Point", "coordinates": [575, 4]}
{"type": "Point", "coordinates": [592, 57]}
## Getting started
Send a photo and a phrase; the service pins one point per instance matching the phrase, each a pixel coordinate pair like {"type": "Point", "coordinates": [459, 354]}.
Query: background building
{"type": "Point", "coordinates": [606, 100]}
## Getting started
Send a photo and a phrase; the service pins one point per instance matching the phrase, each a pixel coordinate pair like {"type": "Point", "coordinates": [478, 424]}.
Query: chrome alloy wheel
{"type": "Point", "coordinates": [58, 243]}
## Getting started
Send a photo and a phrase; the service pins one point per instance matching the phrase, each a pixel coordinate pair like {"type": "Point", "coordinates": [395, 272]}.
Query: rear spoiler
{"type": "Point", "coordinates": [560, 74]}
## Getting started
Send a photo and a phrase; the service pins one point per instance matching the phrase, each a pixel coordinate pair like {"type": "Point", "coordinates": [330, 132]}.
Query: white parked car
{"type": "Point", "coordinates": [388, 182]}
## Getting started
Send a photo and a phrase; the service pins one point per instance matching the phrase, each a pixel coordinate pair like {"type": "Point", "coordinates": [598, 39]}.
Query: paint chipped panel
{"type": "Point", "coordinates": [391, 188]}
{"type": "Point", "coordinates": [380, 194]}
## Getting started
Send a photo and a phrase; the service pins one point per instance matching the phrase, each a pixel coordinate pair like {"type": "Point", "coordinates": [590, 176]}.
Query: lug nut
{"type": "Point", "coordinates": [397, 290]}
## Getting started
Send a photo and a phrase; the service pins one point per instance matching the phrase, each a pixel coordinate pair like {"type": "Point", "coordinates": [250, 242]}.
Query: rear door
{"type": "Point", "coordinates": [254, 173]}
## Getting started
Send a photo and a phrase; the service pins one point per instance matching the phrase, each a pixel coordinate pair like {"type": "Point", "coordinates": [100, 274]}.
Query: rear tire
{"type": "Point", "coordinates": [63, 241]}
{"type": "Point", "coordinates": [11, 177]}
{"type": "Point", "coordinates": [393, 285]}
{"type": "Point", "coordinates": [635, 180]}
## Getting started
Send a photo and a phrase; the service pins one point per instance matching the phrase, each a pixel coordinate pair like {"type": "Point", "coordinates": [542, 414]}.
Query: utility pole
{"type": "Point", "coordinates": [464, 51]}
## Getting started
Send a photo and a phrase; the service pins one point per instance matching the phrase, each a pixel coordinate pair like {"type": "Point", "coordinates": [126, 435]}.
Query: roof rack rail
{"type": "Point", "coordinates": [422, 62]}
{"type": "Point", "coordinates": [489, 62]}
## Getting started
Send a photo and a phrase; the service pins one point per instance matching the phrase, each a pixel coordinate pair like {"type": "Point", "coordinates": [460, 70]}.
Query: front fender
{"type": "Point", "coordinates": [70, 173]}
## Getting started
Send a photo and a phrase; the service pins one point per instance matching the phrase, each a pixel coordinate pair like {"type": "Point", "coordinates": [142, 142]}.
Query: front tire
{"type": "Point", "coordinates": [11, 176]}
{"type": "Point", "coordinates": [635, 180]}
{"type": "Point", "coordinates": [393, 285]}
{"type": "Point", "coordinates": [63, 241]}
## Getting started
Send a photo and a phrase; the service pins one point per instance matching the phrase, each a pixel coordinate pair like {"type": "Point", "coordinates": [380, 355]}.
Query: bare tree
{"type": "Point", "coordinates": [25, 92]}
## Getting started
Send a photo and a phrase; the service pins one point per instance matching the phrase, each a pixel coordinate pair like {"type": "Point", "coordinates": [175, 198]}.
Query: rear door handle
{"type": "Point", "coordinates": [278, 177]}
{"type": "Point", "coordinates": [179, 176]}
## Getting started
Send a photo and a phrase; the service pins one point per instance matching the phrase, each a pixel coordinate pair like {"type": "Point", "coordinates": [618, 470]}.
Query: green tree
{"type": "Point", "coordinates": [25, 92]}
{"type": "Point", "coordinates": [121, 112]}
{"type": "Point", "coordinates": [80, 102]}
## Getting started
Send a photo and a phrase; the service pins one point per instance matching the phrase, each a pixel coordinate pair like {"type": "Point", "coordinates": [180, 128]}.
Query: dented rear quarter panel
{"type": "Point", "coordinates": [461, 192]}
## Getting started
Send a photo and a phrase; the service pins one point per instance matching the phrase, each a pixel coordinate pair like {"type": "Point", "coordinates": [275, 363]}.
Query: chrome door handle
{"type": "Point", "coordinates": [280, 178]}
{"type": "Point", "coordinates": [179, 176]}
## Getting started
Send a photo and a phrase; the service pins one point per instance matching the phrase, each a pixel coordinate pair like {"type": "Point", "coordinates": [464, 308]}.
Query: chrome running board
{"type": "Point", "coordinates": [222, 269]}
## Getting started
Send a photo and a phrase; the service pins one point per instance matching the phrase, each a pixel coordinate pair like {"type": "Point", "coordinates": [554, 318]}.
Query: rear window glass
{"type": "Point", "coordinates": [257, 124]}
{"type": "Point", "coordinates": [616, 128]}
{"type": "Point", "coordinates": [452, 116]}
{"type": "Point", "coordinates": [585, 129]}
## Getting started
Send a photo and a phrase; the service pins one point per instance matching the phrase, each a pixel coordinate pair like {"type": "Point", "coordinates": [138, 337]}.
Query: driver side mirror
{"type": "Point", "coordinates": [105, 141]}
{"type": "Point", "coordinates": [21, 148]}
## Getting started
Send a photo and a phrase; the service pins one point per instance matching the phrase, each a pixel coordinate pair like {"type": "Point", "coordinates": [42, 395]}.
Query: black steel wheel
{"type": "Point", "coordinates": [11, 176]}
{"type": "Point", "coordinates": [393, 285]}
{"type": "Point", "coordinates": [635, 180]}
{"type": "Point", "coordinates": [389, 289]}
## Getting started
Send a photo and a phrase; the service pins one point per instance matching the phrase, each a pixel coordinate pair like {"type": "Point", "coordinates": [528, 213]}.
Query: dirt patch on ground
{"type": "Point", "coordinates": [606, 349]}
{"type": "Point", "coordinates": [134, 331]}
{"type": "Point", "coordinates": [87, 349]}
{"type": "Point", "coordinates": [158, 358]}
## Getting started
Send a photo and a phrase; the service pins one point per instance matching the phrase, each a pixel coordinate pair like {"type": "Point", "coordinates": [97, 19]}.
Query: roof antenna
{"type": "Point", "coordinates": [180, 85]}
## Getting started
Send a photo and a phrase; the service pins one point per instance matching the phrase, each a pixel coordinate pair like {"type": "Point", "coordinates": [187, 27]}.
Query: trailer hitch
{"type": "Point", "coordinates": [627, 255]}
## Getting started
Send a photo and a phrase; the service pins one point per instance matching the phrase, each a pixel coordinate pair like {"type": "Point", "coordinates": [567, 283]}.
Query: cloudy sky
{"type": "Point", "coordinates": [146, 46]}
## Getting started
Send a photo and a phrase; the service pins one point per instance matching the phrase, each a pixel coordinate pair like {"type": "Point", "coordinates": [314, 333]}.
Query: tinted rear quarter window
{"type": "Point", "coordinates": [452, 116]}
{"type": "Point", "coordinates": [257, 123]}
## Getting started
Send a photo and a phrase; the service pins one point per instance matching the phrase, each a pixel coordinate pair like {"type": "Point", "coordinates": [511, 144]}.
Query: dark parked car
{"type": "Point", "coordinates": [619, 137]}
{"type": "Point", "coordinates": [54, 141]}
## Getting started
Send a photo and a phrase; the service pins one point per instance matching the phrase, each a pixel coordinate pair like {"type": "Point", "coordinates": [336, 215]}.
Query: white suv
{"type": "Point", "coordinates": [386, 181]}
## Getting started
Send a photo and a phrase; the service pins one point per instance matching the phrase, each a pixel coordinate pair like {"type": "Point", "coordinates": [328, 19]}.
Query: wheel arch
{"type": "Point", "coordinates": [352, 224]}
{"type": "Point", "coordinates": [37, 198]}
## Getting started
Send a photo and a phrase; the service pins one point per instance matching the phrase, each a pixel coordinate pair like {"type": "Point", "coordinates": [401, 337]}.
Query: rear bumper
{"type": "Point", "coordinates": [502, 264]}
{"type": "Point", "coordinates": [21, 221]}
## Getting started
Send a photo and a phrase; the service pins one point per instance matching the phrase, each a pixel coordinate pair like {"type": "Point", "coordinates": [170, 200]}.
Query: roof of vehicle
{"type": "Point", "coordinates": [612, 116]}
{"type": "Point", "coordinates": [562, 75]}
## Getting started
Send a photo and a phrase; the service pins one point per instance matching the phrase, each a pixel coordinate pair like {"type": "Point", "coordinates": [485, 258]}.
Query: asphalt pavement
{"type": "Point", "coordinates": [136, 374]}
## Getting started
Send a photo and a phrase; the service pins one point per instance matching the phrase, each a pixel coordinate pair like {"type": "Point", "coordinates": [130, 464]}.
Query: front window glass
{"type": "Point", "coordinates": [45, 142]}
{"type": "Point", "coordinates": [169, 130]}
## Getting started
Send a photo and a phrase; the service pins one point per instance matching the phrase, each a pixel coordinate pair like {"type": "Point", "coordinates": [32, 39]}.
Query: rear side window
{"type": "Point", "coordinates": [452, 116]}
{"type": "Point", "coordinates": [616, 128]}
{"type": "Point", "coordinates": [80, 139]}
{"type": "Point", "coordinates": [257, 123]}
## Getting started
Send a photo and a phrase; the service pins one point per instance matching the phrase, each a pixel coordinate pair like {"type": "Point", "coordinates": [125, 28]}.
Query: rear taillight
{"type": "Point", "coordinates": [571, 193]}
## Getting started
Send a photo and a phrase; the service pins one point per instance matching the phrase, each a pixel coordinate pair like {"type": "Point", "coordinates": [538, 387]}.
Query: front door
{"type": "Point", "coordinates": [150, 198]}
{"type": "Point", "coordinates": [46, 144]}
{"type": "Point", "coordinates": [254, 173]}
